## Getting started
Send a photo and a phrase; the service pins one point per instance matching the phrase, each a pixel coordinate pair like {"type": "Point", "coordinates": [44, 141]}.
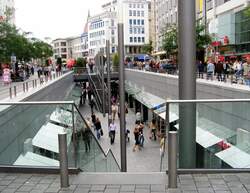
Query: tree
{"type": "Point", "coordinates": [147, 48]}
{"type": "Point", "coordinates": [170, 42]}
{"type": "Point", "coordinates": [115, 61]}
{"type": "Point", "coordinates": [247, 12]}
{"type": "Point", "coordinates": [81, 62]}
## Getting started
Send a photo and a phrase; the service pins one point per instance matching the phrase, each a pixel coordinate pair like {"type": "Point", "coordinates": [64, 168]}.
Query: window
{"type": "Point", "coordinates": [142, 13]}
{"type": "Point", "coordinates": [130, 30]}
{"type": "Point", "coordinates": [112, 40]}
{"type": "Point", "coordinates": [135, 39]}
{"type": "Point", "coordinates": [63, 43]}
{"type": "Point", "coordinates": [130, 22]}
{"type": "Point", "coordinates": [130, 5]}
{"type": "Point", "coordinates": [134, 6]}
{"type": "Point", "coordinates": [130, 12]}
{"type": "Point", "coordinates": [142, 30]}
{"type": "Point", "coordinates": [112, 22]}
{"type": "Point", "coordinates": [142, 6]}
{"type": "Point", "coordinates": [138, 6]}
{"type": "Point", "coordinates": [113, 49]}
{"type": "Point", "coordinates": [134, 13]}
{"type": "Point", "coordinates": [143, 39]}
{"type": "Point", "coordinates": [138, 22]}
{"type": "Point", "coordinates": [138, 13]}
{"type": "Point", "coordinates": [139, 39]}
{"type": "Point", "coordinates": [134, 21]}
{"type": "Point", "coordinates": [112, 32]}
{"type": "Point", "coordinates": [139, 30]}
{"type": "Point", "coordinates": [131, 39]}
{"type": "Point", "coordinates": [142, 21]}
{"type": "Point", "coordinates": [135, 30]}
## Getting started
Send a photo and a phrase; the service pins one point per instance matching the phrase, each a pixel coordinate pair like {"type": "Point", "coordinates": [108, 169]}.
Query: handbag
{"type": "Point", "coordinates": [101, 132]}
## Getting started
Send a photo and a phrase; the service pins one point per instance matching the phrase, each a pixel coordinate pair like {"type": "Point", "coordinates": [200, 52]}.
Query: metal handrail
{"type": "Point", "coordinates": [95, 90]}
{"type": "Point", "coordinates": [207, 100]}
{"type": "Point", "coordinates": [109, 150]}
{"type": "Point", "coordinates": [38, 103]}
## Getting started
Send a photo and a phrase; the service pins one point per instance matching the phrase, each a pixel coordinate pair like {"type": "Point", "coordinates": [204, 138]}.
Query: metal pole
{"type": "Point", "coordinates": [122, 97]}
{"type": "Point", "coordinates": [33, 83]}
{"type": "Point", "coordinates": [27, 86]}
{"type": "Point", "coordinates": [64, 173]}
{"type": "Point", "coordinates": [10, 92]}
{"type": "Point", "coordinates": [15, 91]}
{"type": "Point", "coordinates": [187, 82]}
{"type": "Point", "coordinates": [74, 134]}
{"type": "Point", "coordinates": [204, 9]}
{"type": "Point", "coordinates": [172, 159]}
{"type": "Point", "coordinates": [108, 81]}
{"type": "Point", "coordinates": [23, 87]}
{"type": "Point", "coordinates": [103, 82]}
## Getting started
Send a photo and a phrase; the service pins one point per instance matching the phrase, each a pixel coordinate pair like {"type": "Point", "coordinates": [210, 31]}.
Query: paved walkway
{"type": "Point", "coordinates": [125, 183]}
{"type": "Point", "coordinates": [146, 160]}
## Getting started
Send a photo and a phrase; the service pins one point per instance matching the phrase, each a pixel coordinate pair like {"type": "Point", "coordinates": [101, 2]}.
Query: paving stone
{"type": "Point", "coordinates": [142, 190]}
{"type": "Point", "coordinates": [84, 186]}
{"type": "Point", "coordinates": [81, 191]}
{"type": "Point", "coordinates": [67, 191]}
{"type": "Point", "coordinates": [52, 189]}
{"type": "Point", "coordinates": [5, 182]}
{"type": "Point", "coordinates": [42, 187]}
{"type": "Point", "coordinates": [174, 190]}
{"type": "Point", "coordinates": [188, 187]}
{"type": "Point", "coordinates": [127, 188]}
{"type": "Point", "coordinates": [205, 190]}
{"type": "Point", "coordinates": [220, 187]}
{"type": "Point", "coordinates": [217, 182]}
{"type": "Point", "coordinates": [201, 179]}
{"type": "Point", "coordinates": [142, 186]}
{"type": "Point", "coordinates": [98, 188]}
{"type": "Point", "coordinates": [10, 177]}
{"type": "Point", "coordinates": [231, 178]}
{"type": "Point", "coordinates": [214, 176]}
{"type": "Point", "coordinates": [25, 188]}
{"type": "Point", "coordinates": [9, 190]}
{"type": "Point", "coordinates": [113, 186]}
{"type": "Point", "coordinates": [203, 184]}
{"type": "Point", "coordinates": [46, 181]}
{"type": "Point", "coordinates": [158, 188]}
{"type": "Point", "coordinates": [221, 191]}
{"type": "Point", "coordinates": [111, 191]}
{"type": "Point", "coordinates": [189, 191]}
{"type": "Point", "coordinates": [2, 187]}
{"type": "Point", "coordinates": [36, 191]}
{"type": "Point", "coordinates": [239, 190]}
{"type": "Point", "coordinates": [20, 180]}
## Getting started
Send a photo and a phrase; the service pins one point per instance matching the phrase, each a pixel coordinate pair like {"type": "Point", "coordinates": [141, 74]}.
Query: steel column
{"type": "Point", "coordinates": [187, 82]}
{"type": "Point", "coordinates": [108, 81]}
{"type": "Point", "coordinates": [172, 159]}
{"type": "Point", "coordinates": [122, 97]}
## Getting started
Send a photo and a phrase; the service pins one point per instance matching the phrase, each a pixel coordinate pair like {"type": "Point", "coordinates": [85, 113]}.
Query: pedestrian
{"type": "Point", "coordinates": [246, 71]}
{"type": "Point", "coordinates": [112, 131]}
{"type": "Point", "coordinates": [210, 70]}
{"type": "Point", "coordinates": [86, 136]}
{"type": "Point", "coordinates": [153, 129]}
{"type": "Point", "coordinates": [141, 136]}
{"type": "Point", "coordinates": [92, 104]}
{"type": "Point", "coordinates": [162, 145]}
{"type": "Point", "coordinates": [138, 117]}
{"type": "Point", "coordinates": [200, 69]}
{"type": "Point", "coordinates": [114, 109]}
{"type": "Point", "coordinates": [98, 128]}
{"type": "Point", "coordinates": [93, 117]}
{"type": "Point", "coordinates": [136, 135]}
{"type": "Point", "coordinates": [219, 70]}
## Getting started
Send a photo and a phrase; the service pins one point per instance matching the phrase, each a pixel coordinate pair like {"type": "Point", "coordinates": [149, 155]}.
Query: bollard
{"type": "Point", "coordinates": [172, 159]}
{"type": "Point", "coordinates": [27, 86]}
{"type": "Point", "coordinates": [15, 91]}
{"type": "Point", "coordinates": [33, 83]}
{"type": "Point", "coordinates": [10, 93]}
{"type": "Point", "coordinates": [23, 87]}
{"type": "Point", "coordinates": [63, 157]}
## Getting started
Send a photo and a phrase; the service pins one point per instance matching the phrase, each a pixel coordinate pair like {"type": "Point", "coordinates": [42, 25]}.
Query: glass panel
{"type": "Point", "coordinates": [29, 134]}
{"type": "Point", "coordinates": [222, 134]}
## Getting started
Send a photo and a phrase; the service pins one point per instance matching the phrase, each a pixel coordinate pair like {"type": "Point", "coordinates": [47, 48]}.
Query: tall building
{"type": "Point", "coordinates": [152, 23]}
{"type": "Point", "coordinates": [103, 27]}
{"type": "Point", "coordinates": [7, 10]}
{"type": "Point", "coordinates": [166, 15]}
{"type": "Point", "coordinates": [60, 49]}
{"type": "Point", "coordinates": [229, 26]}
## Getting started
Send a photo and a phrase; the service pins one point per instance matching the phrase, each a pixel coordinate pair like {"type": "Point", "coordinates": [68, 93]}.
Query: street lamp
{"type": "Point", "coordinates": [122, 86]}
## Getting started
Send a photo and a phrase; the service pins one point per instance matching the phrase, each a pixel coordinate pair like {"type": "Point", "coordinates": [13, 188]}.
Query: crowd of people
{"type": "Point", "coordinates": [233, 70]}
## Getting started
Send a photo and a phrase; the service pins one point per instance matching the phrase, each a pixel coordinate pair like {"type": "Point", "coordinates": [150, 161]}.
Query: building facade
{"type": "Point", "coordinates": [229, 26]}
{"type": "Point", "coordinates": [60, 49]}
{"type": "Point", "coordinates": [152, 23]}
{"type": "Point", "coordinates": [166, 15]}
{"type": "Point", "coordinates": [7, 10]}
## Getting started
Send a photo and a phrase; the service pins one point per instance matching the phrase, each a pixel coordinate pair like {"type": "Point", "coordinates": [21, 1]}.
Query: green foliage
{"type": "Point", "coordinates": [247, 12]}
{"type": "Point", "coordinates": [12, 42]}
{"type": "Point", "coordinates": [170, 39]}
{"type": "Point", "coordinates": [81, 62]}
{"type": "Point", "coordinates": [147, 48]}
{"type": "Point", "coordinates": [115, 60]}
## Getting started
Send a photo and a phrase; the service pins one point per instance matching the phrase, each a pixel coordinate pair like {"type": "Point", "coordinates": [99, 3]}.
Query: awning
{"type": "Point", "coordinates": [235, 157]}
{"type": "Point", "coordinates": [32, 159]}
{"type": "Point", "coordinates": [147, 99]}
{"type": "Point", "coordinates": [47, 137]}
{"type": "Point", "coordinates": [62, 116]}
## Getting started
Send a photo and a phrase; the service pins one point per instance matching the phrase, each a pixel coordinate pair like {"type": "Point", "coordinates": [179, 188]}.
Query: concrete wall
{"type": "Point", "coordinates": [230, 115]}
{"type": "Point", "coordinates": [18, 123]}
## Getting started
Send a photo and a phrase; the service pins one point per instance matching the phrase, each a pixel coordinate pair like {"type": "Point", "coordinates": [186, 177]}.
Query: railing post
{"type": "Point", "coordinates": [64, 173]}
{"type": "Point", "coordinates": [23, 87]}
{"type": "Point", "coordinates": [10, 93]}
{"type": "Point", "coordinates": [15, 91]}
{"type": "Point", "coordinates": [54, 76]}
{"type": "Point", "coordinates": [33, 83]}
{"type": "Point", "coordinates": [27, 86]}
{"type": "Point", "coordinates": [74, 133]}
{"type": "Point", "coordinates": [172, 159]}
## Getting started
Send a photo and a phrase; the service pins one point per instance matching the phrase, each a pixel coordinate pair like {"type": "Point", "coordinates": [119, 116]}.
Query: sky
{"type": "Point", "coordinates": [55, 18]}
